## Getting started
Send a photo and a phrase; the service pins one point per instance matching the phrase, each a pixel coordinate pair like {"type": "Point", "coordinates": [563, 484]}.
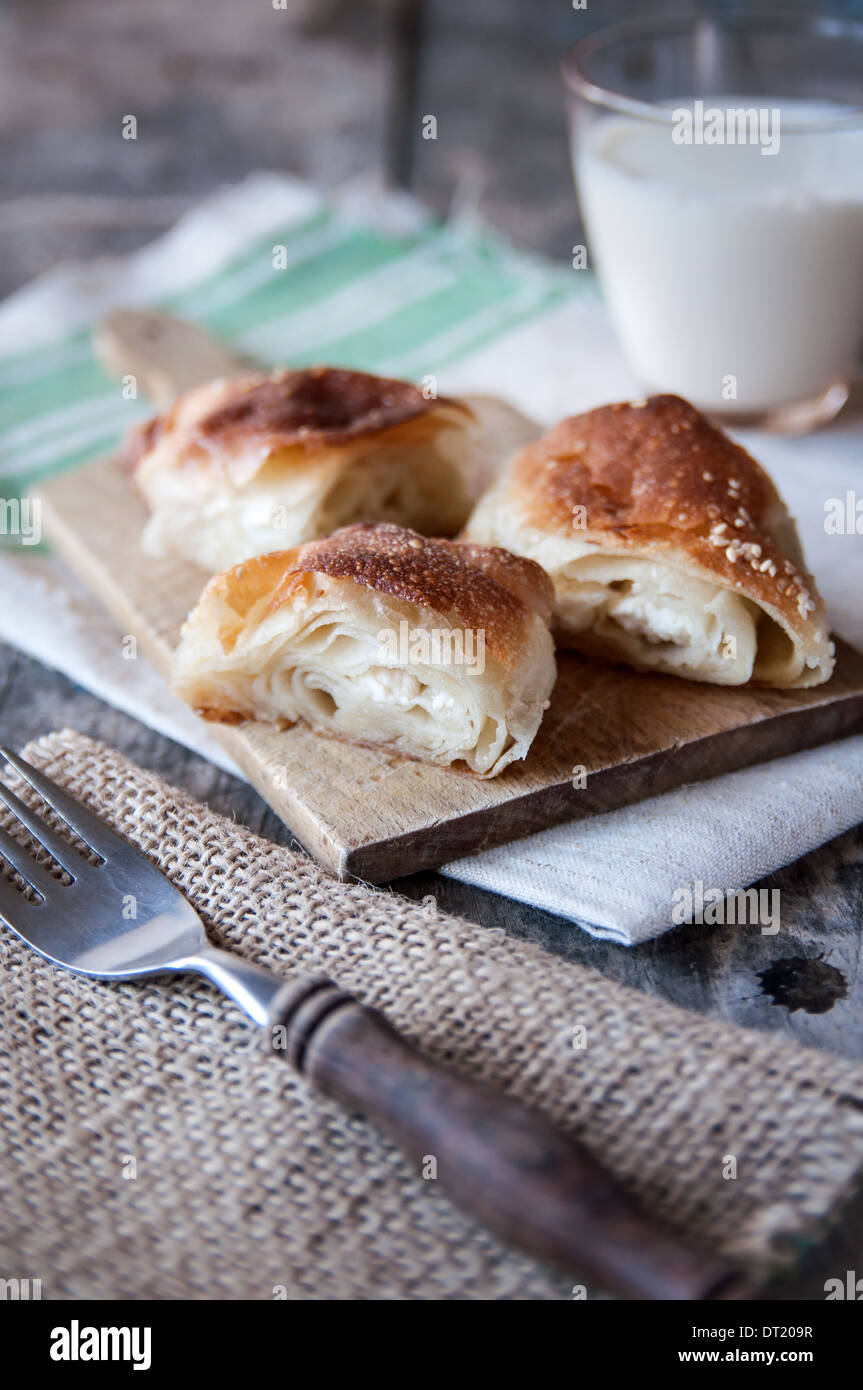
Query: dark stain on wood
{"type": "Point", "coordinates": [803, 982]}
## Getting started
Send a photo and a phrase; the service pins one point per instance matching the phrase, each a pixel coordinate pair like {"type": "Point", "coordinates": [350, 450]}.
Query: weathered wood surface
{"type": "Point", "coordinates": [315, 103]}
{"type": "Point", "coordinates": [317, 89]}
{"type": "Point", "coordinates": [216, 92]}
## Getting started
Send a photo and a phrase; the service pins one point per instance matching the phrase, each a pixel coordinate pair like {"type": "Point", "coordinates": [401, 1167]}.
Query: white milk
{"type": "Point", "coordinates": [720, 262]}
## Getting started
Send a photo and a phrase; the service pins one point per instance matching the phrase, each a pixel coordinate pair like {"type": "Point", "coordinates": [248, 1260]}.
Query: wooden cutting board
{"type": "Point", "coordinates": [369, 814]}
{"type": "Point", "coordinates": [610, 737]}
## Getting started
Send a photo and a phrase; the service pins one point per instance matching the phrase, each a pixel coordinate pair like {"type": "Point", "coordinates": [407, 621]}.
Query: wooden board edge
{"type": "Point", "coordinates": [660, 772]}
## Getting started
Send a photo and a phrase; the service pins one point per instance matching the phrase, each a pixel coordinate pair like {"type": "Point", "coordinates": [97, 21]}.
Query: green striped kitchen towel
{"type": "Point", "coordinates": [293, 280]}
{"type": "Point", "coordinates": [371, 282]}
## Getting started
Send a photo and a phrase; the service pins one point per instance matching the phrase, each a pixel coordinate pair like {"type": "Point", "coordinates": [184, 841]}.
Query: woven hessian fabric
{"type": "Point", "coordinates": [152, 1149]}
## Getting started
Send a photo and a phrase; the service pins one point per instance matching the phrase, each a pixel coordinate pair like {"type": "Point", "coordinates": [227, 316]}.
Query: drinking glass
{"type": "Point", "coordinates": [719, 168]}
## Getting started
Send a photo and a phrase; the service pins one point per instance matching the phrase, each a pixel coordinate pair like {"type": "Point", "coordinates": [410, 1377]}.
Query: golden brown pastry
{"type": "Point", "coordinates": [240, 467]}
{"type": "Point", "coordinates": [432, 649]}
{"type": "Point", "coordinates": [669, 547]}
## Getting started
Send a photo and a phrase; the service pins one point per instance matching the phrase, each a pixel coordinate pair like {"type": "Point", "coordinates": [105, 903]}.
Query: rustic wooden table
{"type": "Point", "coordinates": [323, 89]}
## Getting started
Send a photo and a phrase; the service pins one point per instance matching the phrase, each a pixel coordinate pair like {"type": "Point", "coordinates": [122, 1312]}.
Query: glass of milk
{"type": "Point", "coordinates": [719, 168]}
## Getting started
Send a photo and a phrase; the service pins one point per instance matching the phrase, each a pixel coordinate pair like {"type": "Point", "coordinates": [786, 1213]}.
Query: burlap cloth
{"type": "Point", "coordinates": [151, 1149]}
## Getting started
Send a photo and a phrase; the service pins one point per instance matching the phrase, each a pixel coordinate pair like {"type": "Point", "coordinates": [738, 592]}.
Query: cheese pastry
{"type": "Point", "coordinates": [240, 467]}
{"type": "Point", "coordinates": [669, 547]}
{"type": "Point", "coordinates": [429, 648]}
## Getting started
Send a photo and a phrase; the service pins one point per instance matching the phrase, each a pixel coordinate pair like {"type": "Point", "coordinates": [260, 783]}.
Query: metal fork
{"type": "Point", "coordinates": [503, 1162]}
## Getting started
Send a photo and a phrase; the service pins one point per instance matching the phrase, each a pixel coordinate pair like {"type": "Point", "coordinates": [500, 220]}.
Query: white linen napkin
{"type": "Point", "coordinates": [619, 875]}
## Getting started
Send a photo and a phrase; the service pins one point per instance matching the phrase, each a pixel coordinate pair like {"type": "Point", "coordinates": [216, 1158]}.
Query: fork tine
{"type": "Point", "coordinates": [93, 831]}
{"type": "Point", "coordinates": [12, 904]}
{"type": "Point", "coordinates": [60, 849]}
{"type": "Point", "coordinates": [26, 865]}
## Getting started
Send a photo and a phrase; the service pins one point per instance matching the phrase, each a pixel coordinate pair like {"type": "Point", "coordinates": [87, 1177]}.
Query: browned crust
{"type": "Point", "coordinates": [316, 407]}
{"type": "Point", "coordinates": [214, 715]}
{"type": "Point", "coordinates": [658, 476]}
{"type": "Point", "coordinates": [138, 442]}
{"type": "Point", "coordinates": [516, 573]}
{"type": "Point", "coordinates": [482, 588]}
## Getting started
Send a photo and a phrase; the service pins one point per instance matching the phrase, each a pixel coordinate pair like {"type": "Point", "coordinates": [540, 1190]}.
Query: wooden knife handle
{"type": "Point", "coordinates": [505, 1164]}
